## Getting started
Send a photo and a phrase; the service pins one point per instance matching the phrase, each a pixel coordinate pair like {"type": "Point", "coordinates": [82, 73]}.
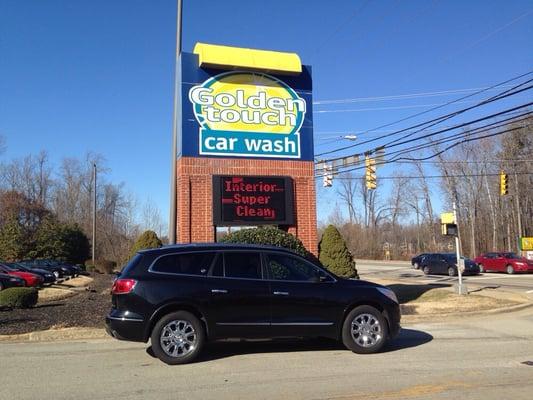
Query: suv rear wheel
{"type": "Point", "coordinates": [178, 338]}
{"type": "Point", "coordinates": [364, 330]}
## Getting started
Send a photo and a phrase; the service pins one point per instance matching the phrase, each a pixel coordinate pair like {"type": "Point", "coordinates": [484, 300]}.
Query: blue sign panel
{"type": "Point", "coordinates": [245, 113]}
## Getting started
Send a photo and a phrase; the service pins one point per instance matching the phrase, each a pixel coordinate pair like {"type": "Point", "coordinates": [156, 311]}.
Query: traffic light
{"type": "Point", "coordinates": [504, 187]}
{"type": "Point", "coordinates": [370, 167]}
{"type": "Point", "coordinates": [449, 229]}
{"type": "Point", "coordinates": [328, 176]}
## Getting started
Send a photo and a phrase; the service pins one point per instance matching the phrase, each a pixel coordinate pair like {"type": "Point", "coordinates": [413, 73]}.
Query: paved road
{"type": "Point", "coordinates": [397, 270]}
{"type": "Point", "coordinates": [478, 358]}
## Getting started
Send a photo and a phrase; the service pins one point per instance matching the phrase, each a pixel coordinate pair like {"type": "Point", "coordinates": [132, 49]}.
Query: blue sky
{"type": "Point", "coordinates": [78, 76]}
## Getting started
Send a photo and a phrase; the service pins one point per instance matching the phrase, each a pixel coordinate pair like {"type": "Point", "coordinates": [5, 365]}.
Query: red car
{"type": "Point", "coordinates": [503, 262]}
{"type": "Point", "coordinates": [30, 279]}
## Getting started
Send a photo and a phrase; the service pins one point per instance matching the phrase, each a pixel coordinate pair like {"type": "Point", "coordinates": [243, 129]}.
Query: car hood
{"type": "Point", "coordinates": [360, 282]}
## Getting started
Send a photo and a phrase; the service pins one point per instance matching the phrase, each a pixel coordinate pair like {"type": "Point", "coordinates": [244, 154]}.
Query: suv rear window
{"type": "Point", "coordinates": [187, 263]}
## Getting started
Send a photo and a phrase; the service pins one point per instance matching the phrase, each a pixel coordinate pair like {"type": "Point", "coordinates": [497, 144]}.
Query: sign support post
{"type": "Point", "coordinates": [460, 261]}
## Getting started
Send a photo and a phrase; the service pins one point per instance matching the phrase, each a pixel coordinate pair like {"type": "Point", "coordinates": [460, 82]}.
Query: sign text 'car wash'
{"type": "Point", "coordinates": [256, 200]}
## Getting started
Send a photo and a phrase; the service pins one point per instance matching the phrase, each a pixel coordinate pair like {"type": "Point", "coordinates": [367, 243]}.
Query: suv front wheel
{"type": "Point", "coordinates": [364, 330]}
{"type": "Point", "coordinates": [178, 338]}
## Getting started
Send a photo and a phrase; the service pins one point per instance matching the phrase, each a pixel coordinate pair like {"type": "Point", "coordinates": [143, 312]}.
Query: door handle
{"type": "Point", "coordinates": [281, 293]}
{"type": "Point", "coordinates": [219, 291]}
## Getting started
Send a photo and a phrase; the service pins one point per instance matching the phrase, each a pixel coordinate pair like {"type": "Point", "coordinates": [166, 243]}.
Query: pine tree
{"type": "Point", "coordinates": [334, 254]}
{"type": "Point", "coordinates": [148, 240]}
{"type": "Point", "coordinates": [13, 240]}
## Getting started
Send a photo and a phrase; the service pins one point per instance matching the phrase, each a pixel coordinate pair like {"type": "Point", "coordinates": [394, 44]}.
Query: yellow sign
{"type": "Point", "coordinates": [526, 243]}
{"type": "Point", "coordinates": [226, 57]}
{"type": "Point", "coordinates": [447, 218]}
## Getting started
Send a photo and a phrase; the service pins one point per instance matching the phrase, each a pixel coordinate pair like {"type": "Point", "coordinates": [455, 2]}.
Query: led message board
{"type": "Point", "coordinates": [252, 200]}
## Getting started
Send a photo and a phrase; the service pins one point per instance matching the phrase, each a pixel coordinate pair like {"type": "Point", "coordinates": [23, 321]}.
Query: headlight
{"type": "Point", "coordinates": [389, 293]}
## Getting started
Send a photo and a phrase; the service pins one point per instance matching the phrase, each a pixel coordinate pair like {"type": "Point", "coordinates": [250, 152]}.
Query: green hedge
{"type": "Point", "coordinates": [18, 297]}
{"type": "Point", "coordinates": [267, 235]}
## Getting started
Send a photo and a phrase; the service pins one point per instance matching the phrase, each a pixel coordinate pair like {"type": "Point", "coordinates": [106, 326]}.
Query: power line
{"type": "Point", "coordinates": [438, 153]}
{"type": "Point", "coordinates": [435, 176]}
{"type": "Point", "coordinates": [440, 141]}
{"type": "Point", "coordinates": [427, 111]}
{"type": "Point", "coordinates": [438, 120]}
{"type": "Point", "coordinates": [385, 108]}
{"type": "Point", "coordinates": [404, 96]}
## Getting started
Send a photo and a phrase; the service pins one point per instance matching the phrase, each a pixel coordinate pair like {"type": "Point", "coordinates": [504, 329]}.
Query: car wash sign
{"type": "Point", "coordinates": [248, 114]}
{"type": "Point", "coordinates": [245, 113]}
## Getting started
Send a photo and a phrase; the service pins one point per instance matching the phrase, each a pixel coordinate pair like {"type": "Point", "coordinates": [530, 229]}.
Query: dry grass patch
{"type": "Point", "coordinates": [79, 281]}
{"type": "Point", "coordinates": [54, 294]}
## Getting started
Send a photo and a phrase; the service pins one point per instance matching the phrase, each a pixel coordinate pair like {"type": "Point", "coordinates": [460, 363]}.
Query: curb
{"type": "Point", "coordinates": [52, 335]}
{"type": "Point", "coordinates": [429, 317]}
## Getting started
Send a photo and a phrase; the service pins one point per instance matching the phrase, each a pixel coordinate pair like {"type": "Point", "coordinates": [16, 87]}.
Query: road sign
{"type": "Point", "coordinates": [526, 243]}
{"type": "Point", "coordinates": [447, 218]}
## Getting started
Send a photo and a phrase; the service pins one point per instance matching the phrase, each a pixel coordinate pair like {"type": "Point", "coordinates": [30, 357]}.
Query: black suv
{"type": "Point", "coordinates": [181, 296]}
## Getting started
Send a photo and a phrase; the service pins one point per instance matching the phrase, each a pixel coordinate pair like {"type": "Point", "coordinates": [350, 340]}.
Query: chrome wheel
{"type": "Point", "coordinates": [178, 338]}
{"type": "Point", "coordinates": [481, 268]}
{"type": "Point", "coordinates": [366, 330]}
{"type": "Point", "coordinates": [56, 274]}
{"type": "Point", "coordinates": [416, 266]}
{"type": "Point", "coordinates": [510, 269]}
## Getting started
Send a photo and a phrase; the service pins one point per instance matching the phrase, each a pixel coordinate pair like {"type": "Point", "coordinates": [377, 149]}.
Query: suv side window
{"type": "Point", "coordinates": [287, 268]}
{"type": "Point", "coordinates": [245, 265]}
{"type": "Point", "coordinates": [187, 263]}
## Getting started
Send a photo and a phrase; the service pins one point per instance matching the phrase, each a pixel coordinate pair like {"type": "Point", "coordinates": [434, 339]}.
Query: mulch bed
{"type": "Point", "coordinates": [87, 308]}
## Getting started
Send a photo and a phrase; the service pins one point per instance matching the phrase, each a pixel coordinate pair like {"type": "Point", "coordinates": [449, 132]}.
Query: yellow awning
{"type": "Point", "coordinates": [226, 57]}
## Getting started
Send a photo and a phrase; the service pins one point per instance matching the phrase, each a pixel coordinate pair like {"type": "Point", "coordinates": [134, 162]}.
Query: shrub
{"type": "Point", "coordinates": [148, 240]}
{"type": "Point", "coordinates": [18, 297]}
{"type": "Point", "coordinates": [60, 241]}
{"type": "Point", "coordinates": [89, 266]}
{"type": "Point", "coordinates": [334, 254]}
{"type": "Point", "coordinates": [268, 235]}
{"type": "Point", "coordinates": [105, 266]}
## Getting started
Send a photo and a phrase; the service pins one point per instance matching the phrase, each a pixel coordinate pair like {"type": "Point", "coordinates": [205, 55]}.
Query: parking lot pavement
{"type": "Point", "coordinates": [398, 270]}
{"type": "Point", "coordinates": [479, 358]}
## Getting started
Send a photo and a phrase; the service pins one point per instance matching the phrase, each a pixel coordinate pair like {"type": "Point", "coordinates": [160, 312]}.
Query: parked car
{"type": "Point", "coordinates": [62, 270]}
{"type": "Point", "coordinates": [30, 279]}
{"type": "Point", "coordinates": [416, 260]}
{"type": "Point", "coordinates": [182, 296]}
{"type": "Point", "coordinates": [7, 281]}
{"type": "Point", "coordinates": [74, 268]}
{"type": "Point", "coordinates": [503, 262]}
{"type": "Point", "coordinates": [47, 276]}
{"type": "Point", "coordinates": [446, 263]}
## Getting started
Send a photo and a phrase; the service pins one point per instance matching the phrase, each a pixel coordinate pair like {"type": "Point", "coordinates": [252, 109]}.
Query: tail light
{"type": "Point", "coordinates": [123, 286]}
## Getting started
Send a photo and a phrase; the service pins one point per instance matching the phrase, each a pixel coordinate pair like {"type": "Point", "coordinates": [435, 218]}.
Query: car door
{"type": "Point", "coordinates": [302, 296]}
{"type": "Point", "coordinates": [499, 262]}
{"type": "Point", "coordinates": [441, 264]}
{"type": "Point", "coordinates": [239, 303]}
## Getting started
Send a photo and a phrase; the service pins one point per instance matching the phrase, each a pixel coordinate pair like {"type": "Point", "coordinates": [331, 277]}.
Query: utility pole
{"type": "Point", "coordinates": [94, 214]}
{"type": "Point", "coordinates": [176, 126]}
{"type": "Point", "coordinates": [458, 251]}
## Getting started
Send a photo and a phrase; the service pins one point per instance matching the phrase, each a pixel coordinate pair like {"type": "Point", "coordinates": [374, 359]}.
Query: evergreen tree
{"type": "Point", "coordinates": [148, 240]}
{"type": "Point", "coordinates": [334, 254]}
{"type": "Point", "coordinates": [13, 240]}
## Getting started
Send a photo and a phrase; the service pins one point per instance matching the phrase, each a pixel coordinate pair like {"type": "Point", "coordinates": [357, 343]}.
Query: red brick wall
{"type": "Point", "coordinates": [195, 221]}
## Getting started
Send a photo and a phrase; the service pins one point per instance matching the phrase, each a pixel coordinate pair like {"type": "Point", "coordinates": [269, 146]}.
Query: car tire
{"type": "Point", "coordinates": [481, 268]}
{"type": "Point", "coordinates": [189, 338]}
{"type": "Point", "coordinates": [451, 271]}
{"type": "Point", "coordinates": [56, 274]}
{"type": "Point", "coordinates": [426, 270]}
{"type": "Point", "coordinates": [416, 265]}
{"type": "Point", "coordinates": [1, 286]}
{"type": "Point", "coordinates": [509, 269]}
{"type": "Point", "coordinates": [364, 330]}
